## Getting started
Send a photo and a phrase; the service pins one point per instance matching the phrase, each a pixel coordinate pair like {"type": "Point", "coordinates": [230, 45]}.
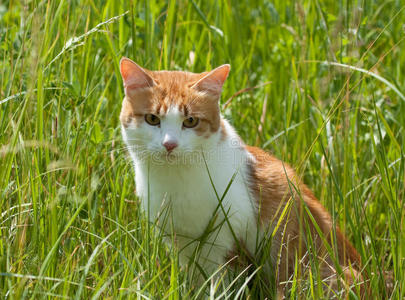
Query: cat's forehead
{"type": "Point", "coordinates": [175, 83]}
{"type": "Point", "coordinates": [175, 77]}
{"type": "Point", "coordinates": [173, 91]}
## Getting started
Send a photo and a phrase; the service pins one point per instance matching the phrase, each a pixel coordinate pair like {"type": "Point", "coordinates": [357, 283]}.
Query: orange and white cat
{"type": "Point", "coordinates": [190, 163]}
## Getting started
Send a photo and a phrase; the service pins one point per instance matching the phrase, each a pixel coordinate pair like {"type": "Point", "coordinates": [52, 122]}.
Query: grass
{"type": "Point", "coordinates": [70, 223]}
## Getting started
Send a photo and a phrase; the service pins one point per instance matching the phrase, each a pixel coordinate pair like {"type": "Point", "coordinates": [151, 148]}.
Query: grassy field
{"type": "Point", "coordinates": [324, 92]}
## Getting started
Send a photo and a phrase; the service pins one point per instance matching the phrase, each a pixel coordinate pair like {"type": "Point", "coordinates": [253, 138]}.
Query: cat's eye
{"type": "Point", "coordinates": [152, 119]}
{"type": "Point", "coordinates": [190, 122]}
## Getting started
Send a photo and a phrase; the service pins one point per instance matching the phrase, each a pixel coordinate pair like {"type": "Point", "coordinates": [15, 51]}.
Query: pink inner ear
{"type": "Point", "coordinates": [213, 81]}
{"type": "Point", "coordinates": [134, 76]}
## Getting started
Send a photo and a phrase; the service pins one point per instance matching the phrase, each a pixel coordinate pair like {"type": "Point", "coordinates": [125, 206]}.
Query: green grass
{"type": "Point", "coordinates": [70, 224]}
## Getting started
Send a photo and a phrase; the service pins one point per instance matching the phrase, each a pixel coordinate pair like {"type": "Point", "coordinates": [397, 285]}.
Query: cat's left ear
{"type": "Point", "coordinates": [212, 82]}
{"type": "Point", "coordinates": [133, 76]}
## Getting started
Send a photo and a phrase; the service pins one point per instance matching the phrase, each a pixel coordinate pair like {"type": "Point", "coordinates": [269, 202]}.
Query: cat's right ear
{"type": "Point", "coordinates": [133, 76]}
{"type": "Point", "coordinates": [212, 82]}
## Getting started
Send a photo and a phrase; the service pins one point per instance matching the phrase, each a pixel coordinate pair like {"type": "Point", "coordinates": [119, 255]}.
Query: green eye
{"type": "Point", "coordinates": [190, 122]}
{"type": "Point", "coordinates": [152, 119]}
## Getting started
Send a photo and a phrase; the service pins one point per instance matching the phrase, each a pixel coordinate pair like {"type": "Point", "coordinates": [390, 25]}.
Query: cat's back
{"type": "Point", "coordinates": [274, 183]}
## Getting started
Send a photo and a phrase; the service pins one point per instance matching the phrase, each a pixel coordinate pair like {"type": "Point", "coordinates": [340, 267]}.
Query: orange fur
{"type": "Point", "coordinates": [274, 184]}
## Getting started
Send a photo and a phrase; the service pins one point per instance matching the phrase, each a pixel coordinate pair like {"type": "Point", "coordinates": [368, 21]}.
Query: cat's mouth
{"type": "Point", "coordinates": [177, 157]}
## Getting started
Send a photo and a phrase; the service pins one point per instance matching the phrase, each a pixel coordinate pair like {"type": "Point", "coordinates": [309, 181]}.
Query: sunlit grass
{"type": "Point", "coordinates": [70, 224]}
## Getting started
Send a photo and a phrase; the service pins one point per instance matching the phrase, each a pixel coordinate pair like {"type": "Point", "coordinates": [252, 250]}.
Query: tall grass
{"type": "Point", "coordinates": [70, 223]}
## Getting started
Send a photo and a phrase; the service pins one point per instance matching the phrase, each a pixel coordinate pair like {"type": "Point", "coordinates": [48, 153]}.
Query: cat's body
{"type": "Point", "coordinates": [191, 167]}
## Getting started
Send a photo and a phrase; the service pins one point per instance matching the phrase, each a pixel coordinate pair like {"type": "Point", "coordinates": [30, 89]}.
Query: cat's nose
{"type": "Point", "coordinates": [169, 145]}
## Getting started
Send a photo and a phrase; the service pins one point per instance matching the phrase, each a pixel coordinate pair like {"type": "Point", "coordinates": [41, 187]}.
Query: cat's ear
{"type": "Point", "coordinates": [133, 76]}
{"type": "Point", "coordinates": [212, 82]}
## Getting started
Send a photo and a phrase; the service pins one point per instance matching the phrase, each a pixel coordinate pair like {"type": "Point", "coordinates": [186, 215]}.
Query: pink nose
{"type": "Point", "coordinates": [170, 146]}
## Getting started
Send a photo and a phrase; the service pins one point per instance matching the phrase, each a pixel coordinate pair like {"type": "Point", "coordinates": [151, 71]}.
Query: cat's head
{"type": "Point", "coordinates": [170, 113]}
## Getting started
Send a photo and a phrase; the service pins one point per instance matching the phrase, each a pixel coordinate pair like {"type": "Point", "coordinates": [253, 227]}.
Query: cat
{"type": "Point", "coordinates": [190, 163]}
